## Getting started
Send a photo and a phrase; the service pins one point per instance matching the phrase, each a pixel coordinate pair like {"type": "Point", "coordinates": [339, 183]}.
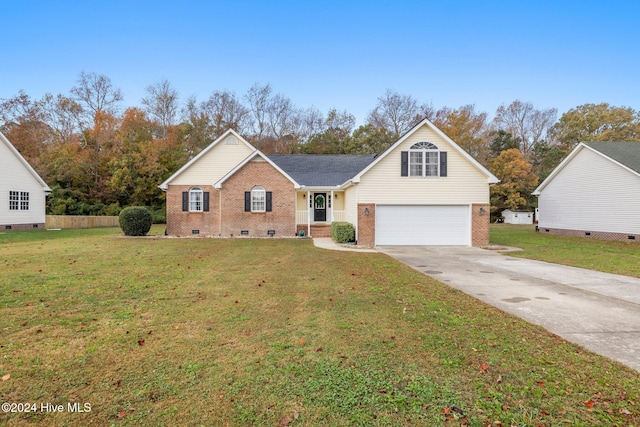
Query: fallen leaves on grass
{"type": "Point", "coordinates": [6, 377]}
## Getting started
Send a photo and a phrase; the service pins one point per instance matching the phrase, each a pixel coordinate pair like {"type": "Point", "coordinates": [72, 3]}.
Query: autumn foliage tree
{"type": "Point", "coordinates": [99, 157]}
{"type": "Point", "coordinates": [597, 122]}
{"type": "Point", "coordinates": [517, 181]}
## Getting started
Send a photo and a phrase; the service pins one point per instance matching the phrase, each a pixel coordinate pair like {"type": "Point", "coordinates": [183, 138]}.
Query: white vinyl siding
{"type": "Point", "coordinates": [212, 166]}
{"type": "Point", "coordinates": [14, 176]}
{"type": "Point", "coordinates": [464, 184]}
{"type": "Point", "coordinates": [592, 193]}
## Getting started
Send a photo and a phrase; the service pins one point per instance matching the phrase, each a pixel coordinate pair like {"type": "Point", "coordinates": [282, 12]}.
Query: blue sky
{"type": "Point", "coordinates": [332, 54]}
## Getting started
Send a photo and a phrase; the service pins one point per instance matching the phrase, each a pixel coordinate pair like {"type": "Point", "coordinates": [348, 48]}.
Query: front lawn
{"type": "Point", "coordinates": [595, 254]}
{"type": "Point", "coordinates": [163, 331]}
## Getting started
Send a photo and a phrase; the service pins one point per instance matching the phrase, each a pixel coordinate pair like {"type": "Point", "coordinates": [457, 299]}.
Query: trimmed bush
{"type": "Point", "coordinates": [343, 232]}
{"type": "Point", "coordinates": [135, 221]}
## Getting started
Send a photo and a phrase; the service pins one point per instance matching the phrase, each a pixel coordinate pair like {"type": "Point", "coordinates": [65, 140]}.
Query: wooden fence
{"type": "Point", "coordinates": [80, 221]}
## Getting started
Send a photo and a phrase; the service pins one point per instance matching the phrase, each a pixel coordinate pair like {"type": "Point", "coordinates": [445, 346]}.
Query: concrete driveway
{"type": "Point", "coordinates": [598, 311]}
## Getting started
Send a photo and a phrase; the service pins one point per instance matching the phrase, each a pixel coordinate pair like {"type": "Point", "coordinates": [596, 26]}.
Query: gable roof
{"type": "Point", "coordinates": [165, 184]}
{"type": "Point", "coordinates": [625, 154]}
{"type": "Point", "coordinates": [311, 170]}
{"type": "Point", "coordinates": [256, 153]}
{"type": "Point", "coordinates": [425, 122]}
{"type": "Point", "coordinates": [24, 163]}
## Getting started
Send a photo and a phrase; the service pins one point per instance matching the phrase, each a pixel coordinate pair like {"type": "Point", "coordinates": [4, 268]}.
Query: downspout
{"type": "Point", "coordinates": [220, 212]}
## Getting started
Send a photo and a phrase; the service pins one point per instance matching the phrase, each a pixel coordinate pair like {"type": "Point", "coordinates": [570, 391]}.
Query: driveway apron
{"type": "Point", "coordinates": [598, 311]}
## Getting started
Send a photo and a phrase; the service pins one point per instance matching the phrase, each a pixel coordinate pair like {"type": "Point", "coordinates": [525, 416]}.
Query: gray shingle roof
{"type": "Point", "coordinates": [626, 153]}
{"type": "Point", "coordinates": [321, 170]}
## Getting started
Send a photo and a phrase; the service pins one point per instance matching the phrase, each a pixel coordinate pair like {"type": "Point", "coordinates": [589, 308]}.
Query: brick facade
{"type": "Point", "coordinates": [226, 216]}
{"type": "Point", "coordinates": [282, 218]}
{"type": "Point", "coordinates": [180, 223]}
{"type": "Point", "coordinates": [604, 235]}
{"type": "Point", "coordinates": [480, 225]}
{"type": "Point", "coordinates": [366, 224]}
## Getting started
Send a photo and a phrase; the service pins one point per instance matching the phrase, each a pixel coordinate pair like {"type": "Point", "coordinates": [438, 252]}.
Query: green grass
{"type": "Point", "coordinates": [153, 331]}
{"type": "Point", "coordinates": [595, 254]}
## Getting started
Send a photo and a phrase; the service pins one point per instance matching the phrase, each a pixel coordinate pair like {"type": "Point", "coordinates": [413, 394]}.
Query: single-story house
{"type": "Point", "coordinates": [517, 217]}
{"type": "Point", "coordinates": [593, 192]}
{"type": "Point", "coordinates": [22, 192]}
{"type": "Point", "coordinates": [423, 190]}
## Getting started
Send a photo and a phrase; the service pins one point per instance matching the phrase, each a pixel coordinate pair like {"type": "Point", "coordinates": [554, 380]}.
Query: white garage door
{"type": "Point", "coordinates": [423, 225]}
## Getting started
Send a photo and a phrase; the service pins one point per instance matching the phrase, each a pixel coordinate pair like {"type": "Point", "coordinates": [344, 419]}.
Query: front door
{"type": "Point", "coordinates": [320, 207]}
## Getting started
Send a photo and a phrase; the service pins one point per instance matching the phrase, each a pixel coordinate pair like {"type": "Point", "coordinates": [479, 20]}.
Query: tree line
{"type": "Point", "coordinates": [99, 156]}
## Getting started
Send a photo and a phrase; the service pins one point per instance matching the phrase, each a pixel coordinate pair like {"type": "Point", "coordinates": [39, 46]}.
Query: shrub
{"type": "Point", "coordinates": [135, 221]}
{"type": "Point", "coordinates": [343, 232]}
{"type": "Point", "coordinates": [160, 216]}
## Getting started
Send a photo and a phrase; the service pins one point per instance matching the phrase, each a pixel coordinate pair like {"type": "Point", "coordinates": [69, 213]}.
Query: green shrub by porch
{"type": "Point", "coordinates": [135, 221]}
{"type": "Point", "coordinates": [343, 232]}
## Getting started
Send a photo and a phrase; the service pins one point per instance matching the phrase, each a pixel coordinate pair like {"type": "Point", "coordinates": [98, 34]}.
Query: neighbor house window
{"type": "Point", "coordinates": [195, 200]}
{"type": "Point", "coordinates": [424, 159]}
{"type": "Point", "coordinates": [18, 200]}
{"type": "Point", "coordinates": [258, 199]}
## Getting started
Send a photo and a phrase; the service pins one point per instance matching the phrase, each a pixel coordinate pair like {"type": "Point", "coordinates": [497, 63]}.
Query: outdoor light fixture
{"type": "Point", "coordinates": [366, 211]}
{"type": "Point", "coordinates": [482, 211]}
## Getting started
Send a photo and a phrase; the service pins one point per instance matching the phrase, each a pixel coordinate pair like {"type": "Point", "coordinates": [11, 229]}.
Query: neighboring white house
{"type": "Point", "coordinates": [517, 217]}
{"type": "Point", "coordinates": [594, 192]}
{"type": "Point", "coordinates": [22, 191]}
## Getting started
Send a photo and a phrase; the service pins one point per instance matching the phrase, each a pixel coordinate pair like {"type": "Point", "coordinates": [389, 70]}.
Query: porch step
{"type": "Point", "coordinates": [321, 230]}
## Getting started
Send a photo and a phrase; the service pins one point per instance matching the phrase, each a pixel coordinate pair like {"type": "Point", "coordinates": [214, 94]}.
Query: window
{"type": "Point", "coordinates": [195, 200]}
{"type": "Point", "coordinates": [258, 199]}
{"type": "Point", "coordinates": [18, 200]}
{"type": "Point", "coordinates": [14, 200]}
{"type": "Point", "coordinates": [424, 159]}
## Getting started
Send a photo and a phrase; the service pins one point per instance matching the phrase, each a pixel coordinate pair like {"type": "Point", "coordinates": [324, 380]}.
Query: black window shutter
{"type": "Point", "coordinates": [247, 201]}
{"type": "Point", "coordinates": [185, 201]}
{"type": "Point", "coordinates": [404, 163]}
{"type": "Point", "coordinates": [205, 201]}
{"type": "Point", "coordinates": [268, 200]}
{"type": "Point", "coordinates": [443, 163]}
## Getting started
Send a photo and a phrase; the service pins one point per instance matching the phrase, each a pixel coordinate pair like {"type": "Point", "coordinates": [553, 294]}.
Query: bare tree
{"type": "Point", "coordinates": [281, 116]}
{"type": "Point", "coordinates": [96, 93]}
{"type": "Point", "coordinates": [523, 121]}
{"type": "Point", "coordinates": [63, 115]}
{"type": "Point", "coordinates": [23, 121]}
{"type": "Point", "coordinates": [162, 105]}
{"type": "Point", "coordinates": [226, 111]}
{"type": "Point", "coordinates": [311, 123]}
{"type": "Point", "coordinates": [341, 123]}
{"type": "Point", "coordinates": [258, 98]}
{"type": "Point", "coordinates": [395, 112]}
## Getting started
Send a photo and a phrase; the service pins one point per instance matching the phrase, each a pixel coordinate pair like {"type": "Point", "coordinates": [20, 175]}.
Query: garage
{"type": "Point", "coordinates": [423, 225]}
